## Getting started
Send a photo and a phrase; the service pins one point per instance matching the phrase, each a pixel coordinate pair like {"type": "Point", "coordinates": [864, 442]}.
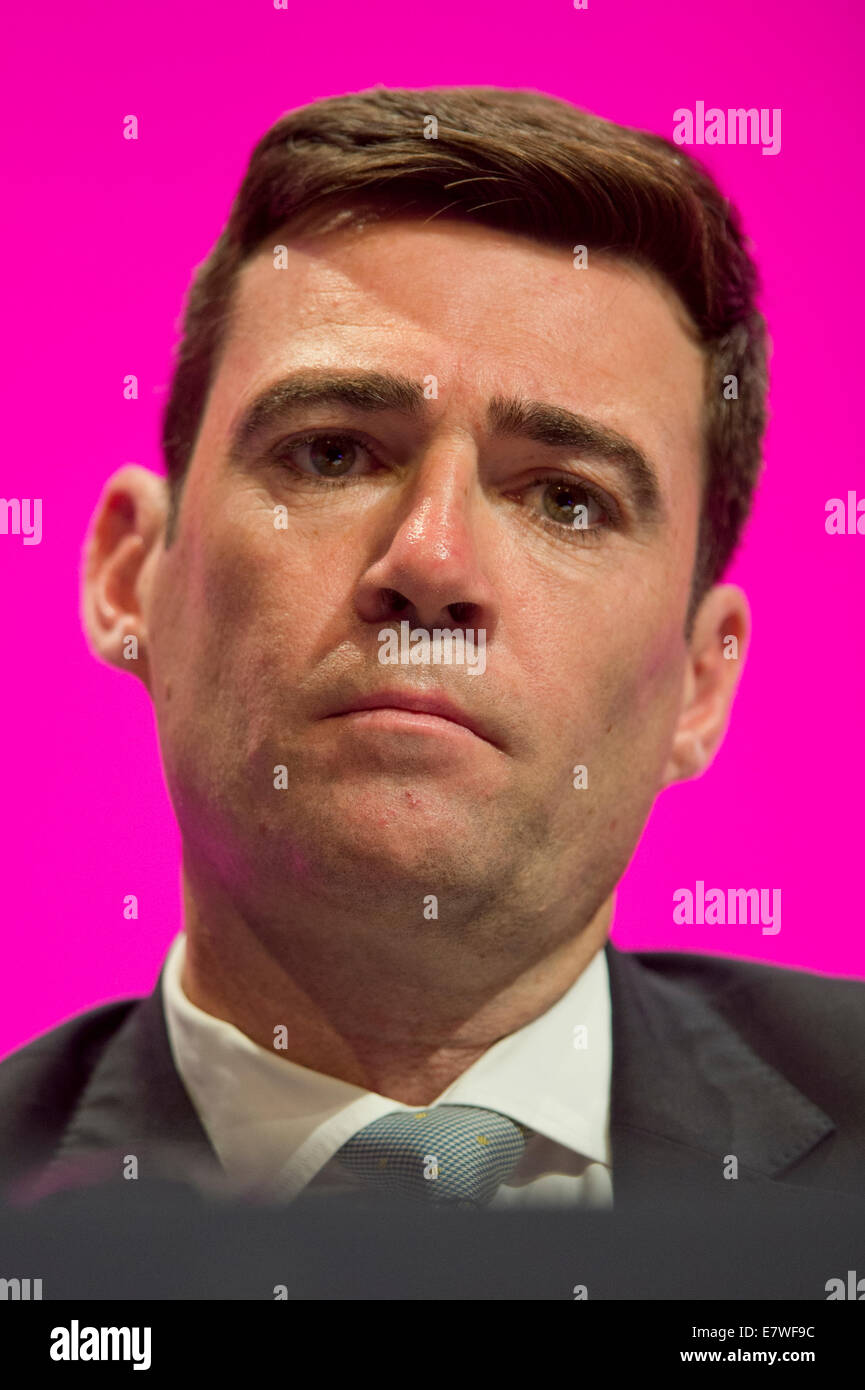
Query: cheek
{"type": "Point", "coordinates": [261, 609]}
{"type": "Point", "coordinates": [609, 689]}
{"type": "Point", "coordinates": [251, 591]}
{"type": "Point", "coordinates": [643, 686]}
{"type": "Point", "coordinates": [207, 615]}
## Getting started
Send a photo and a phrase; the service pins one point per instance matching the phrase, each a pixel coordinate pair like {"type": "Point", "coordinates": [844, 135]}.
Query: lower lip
{"type": "Point", "coordinates": [408, 721]}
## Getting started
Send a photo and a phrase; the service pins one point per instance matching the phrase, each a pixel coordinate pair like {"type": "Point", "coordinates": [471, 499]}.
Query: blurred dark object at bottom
{"type": "Point", "coordinates": [164, 1240]}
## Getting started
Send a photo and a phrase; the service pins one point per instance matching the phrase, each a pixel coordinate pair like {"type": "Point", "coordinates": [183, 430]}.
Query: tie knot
{"type": "Point", "coordinates": [451, 1153]}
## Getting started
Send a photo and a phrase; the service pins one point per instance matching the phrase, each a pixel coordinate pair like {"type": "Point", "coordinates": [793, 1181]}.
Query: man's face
{"type": "Point", "coordinates": [258, 633]}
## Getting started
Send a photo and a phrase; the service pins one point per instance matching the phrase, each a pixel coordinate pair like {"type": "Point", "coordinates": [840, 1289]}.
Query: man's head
{"type": "Point", "coordinates": [500, 381]}
{"type": "Point", "coordinates": [512, 161]}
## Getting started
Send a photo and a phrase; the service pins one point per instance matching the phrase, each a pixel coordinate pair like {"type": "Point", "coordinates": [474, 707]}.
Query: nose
{"type": "Point", "coordinates": [430, 567]}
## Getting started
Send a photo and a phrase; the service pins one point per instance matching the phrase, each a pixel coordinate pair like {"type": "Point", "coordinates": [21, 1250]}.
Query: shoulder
{"type": "Point", "coordinates": [799, 1019]}
{"type": "Point", "coordinates": [721, 978]}
{"type": "Point", "coordinates": [62, 1055]}
{"type": "Point", "coordinates": [42, 1082]}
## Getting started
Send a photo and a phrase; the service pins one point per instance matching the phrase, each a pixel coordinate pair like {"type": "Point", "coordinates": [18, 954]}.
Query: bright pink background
{"type": "Point", "coordinates": [101, 235]}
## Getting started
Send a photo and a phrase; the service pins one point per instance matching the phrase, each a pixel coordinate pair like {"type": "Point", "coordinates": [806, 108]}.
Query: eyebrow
{"type": "Point", "coordinates": [543, 423]}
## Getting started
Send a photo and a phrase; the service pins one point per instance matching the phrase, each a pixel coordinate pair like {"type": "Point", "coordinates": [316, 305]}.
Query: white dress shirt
{"type": "Point", "coordinates": [275, 1126]}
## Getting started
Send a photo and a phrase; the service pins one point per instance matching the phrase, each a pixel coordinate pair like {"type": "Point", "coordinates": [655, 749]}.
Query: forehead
{"type": "Point", "coordinates": [483, 311]}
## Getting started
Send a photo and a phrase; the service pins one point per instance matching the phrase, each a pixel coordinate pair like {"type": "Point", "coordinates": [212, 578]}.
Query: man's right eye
{"type": "Point", "coordinates": [331, 455]}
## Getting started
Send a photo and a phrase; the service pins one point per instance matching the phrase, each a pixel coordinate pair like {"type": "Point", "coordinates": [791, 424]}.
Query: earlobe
{"type": "Point", "coordinates": [716, 656]}
{"type": "Point", "coordinates": [126, 528]}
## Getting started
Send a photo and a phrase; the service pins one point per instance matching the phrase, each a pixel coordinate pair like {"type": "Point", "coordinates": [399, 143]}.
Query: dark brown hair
{"type": "Point", "coordinates": [516, 161]}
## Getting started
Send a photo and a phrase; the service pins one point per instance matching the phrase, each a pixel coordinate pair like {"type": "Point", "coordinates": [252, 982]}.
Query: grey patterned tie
{"type": "Point", "coordinates": [459, 1154]}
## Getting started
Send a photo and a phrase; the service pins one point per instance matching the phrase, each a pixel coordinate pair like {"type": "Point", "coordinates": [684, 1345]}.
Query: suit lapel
{"type": "Point", "coordinates": [688, 1091]}
{"type": "Point", "coordinates": [135, 1104]}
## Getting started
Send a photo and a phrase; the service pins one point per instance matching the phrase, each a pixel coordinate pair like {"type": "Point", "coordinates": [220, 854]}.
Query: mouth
{"type": "Point", "coordinates": [413, 713]}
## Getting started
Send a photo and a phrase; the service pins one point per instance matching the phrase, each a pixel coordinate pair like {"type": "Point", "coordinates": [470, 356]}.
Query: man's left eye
{"type": "Point", "coordinates": [572, 503]}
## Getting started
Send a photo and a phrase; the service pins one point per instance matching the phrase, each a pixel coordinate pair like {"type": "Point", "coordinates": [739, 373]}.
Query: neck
{"type": "Point", "coordinates": [400, 1007]}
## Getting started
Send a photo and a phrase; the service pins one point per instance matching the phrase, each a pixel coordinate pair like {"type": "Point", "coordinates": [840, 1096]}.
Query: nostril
{"type": "Point", "coordinates": [460, 612]}
{"type": "Point", "coordinates": [393, 601]}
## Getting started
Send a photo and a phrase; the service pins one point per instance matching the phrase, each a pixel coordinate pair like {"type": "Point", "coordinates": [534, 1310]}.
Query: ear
{"type": "Point", "coordinates": [716, 655]}
{"type": "Point", "coordinates": [122, 544]}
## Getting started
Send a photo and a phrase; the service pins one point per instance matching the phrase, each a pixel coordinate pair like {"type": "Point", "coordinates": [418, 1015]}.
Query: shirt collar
{"type": "Point", "coordinates": [261, 1110]}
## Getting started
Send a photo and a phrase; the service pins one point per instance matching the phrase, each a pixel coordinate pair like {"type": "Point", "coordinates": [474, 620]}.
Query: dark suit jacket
{"type": "Point", "coordinates": [712, 1057]}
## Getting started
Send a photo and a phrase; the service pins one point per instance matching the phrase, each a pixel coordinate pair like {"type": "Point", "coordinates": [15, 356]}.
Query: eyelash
{"type": "Point", "coordinates": [578, 534]}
